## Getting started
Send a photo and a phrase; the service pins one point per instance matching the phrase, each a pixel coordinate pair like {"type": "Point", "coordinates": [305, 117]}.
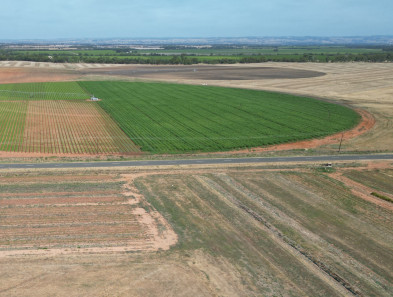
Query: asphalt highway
{"type": "Point", "coordinates": [326, 159]}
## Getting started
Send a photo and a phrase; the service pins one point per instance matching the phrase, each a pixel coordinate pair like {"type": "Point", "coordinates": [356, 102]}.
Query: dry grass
{"type": "Point", "coordinates": [242, 231]}
{"type": "Point", "coordinates": [55, 213]}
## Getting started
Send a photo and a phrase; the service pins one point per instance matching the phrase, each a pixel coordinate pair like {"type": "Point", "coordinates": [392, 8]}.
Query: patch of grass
{"type": "Point", "coordinates": [383, 197]}
{"type": "Point", "coordinates": [381, 180]}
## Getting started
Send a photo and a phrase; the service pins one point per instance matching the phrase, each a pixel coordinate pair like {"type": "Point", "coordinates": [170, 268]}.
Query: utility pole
{"type": "Point", "coordinates": [339, 148]}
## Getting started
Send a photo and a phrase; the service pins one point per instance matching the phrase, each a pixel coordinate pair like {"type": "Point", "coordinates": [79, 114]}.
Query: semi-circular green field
{"type": "Point", "coordinates": [173, 118]}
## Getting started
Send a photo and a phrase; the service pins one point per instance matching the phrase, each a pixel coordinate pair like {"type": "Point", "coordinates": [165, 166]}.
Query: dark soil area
{"type": "Point", "coordinates": [207, 72]}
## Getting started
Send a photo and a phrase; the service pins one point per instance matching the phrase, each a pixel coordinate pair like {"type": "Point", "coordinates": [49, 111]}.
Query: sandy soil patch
{"type": "Point", "coordinates": [21, 75]}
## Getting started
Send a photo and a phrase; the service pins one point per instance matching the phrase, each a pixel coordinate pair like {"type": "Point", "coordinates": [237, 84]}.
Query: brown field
{"type": "Point", "coordinates": [51, 214]}
{"type": "Point", "coordinates": [282, 230]}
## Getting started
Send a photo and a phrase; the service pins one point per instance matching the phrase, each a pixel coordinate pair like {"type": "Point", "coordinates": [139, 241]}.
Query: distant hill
{"type": "Point", "coordinates": [280, 40]}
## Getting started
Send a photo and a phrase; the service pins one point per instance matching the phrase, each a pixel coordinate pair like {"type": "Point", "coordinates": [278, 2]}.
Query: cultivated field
{"type": "Point", "coordinates": [43, 91]}
{"type": "Point", "coordinates": [360, 85]}
{"type": "Point", "coordinates": [287, 230]}
{"type": "Point", "coordinates": [248, 230]}
{"type": "Point", "coordinates": [166, 118]}
{"type": "Point", "coordinates": [54, 118]}
{"type": "Point", "coordinates": [56, 212]}
{"type": "Point", "coordinates": [159, 118]}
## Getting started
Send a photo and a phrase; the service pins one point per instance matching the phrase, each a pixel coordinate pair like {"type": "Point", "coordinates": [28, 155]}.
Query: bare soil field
{"type": "Point", "coordinates": [277, 230]}
{"type": "Point", "coordinates": [17, 75]}
{"type": "Point", "coordinates": [205, 72]}
{"type": "Point", "coordinates": [44, 214]}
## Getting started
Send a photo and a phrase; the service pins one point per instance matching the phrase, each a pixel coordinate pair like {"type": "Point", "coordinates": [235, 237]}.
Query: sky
{"type": "Point", "coordinates": [49, 19]}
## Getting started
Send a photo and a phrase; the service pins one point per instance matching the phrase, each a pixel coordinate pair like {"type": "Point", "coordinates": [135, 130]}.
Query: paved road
{"type": "Point", "coordinates": [201, 161]}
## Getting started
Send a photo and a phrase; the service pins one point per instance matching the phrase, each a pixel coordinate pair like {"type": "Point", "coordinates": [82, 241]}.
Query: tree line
{"type": "Point", "coordinates": [385, 56]}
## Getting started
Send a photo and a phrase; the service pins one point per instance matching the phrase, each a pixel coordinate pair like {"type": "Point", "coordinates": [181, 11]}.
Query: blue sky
{"type": "Point", "coordinates": [44, 19]}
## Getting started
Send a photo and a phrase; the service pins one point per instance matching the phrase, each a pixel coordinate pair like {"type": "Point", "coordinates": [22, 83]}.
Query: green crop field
{"type": "Point", "coordinates": [12, 121]}
{"type": "Point", "coordinates": [42, 91]}
{"type": "Point", "coordinates": [55, 118]}
{"type": "Point", "coordinates": [171, 118]}
{"type": "Point", "coordinates": [158, 118]}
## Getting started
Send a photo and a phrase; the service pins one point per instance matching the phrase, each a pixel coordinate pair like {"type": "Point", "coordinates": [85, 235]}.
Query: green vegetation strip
{"type": "Point", "coordinates": [12, 123]}
{"type": "Point", "coordinates": [171, 118]}
{"type": "Point", "coordinates": [43, 91]}
{"type": "Point", "coordinates": [217, 54]}
{"type": "Point", "coordinates": [383, 197]}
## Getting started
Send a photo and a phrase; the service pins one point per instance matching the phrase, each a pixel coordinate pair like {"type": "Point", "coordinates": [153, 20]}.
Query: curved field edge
{"type": "Point", "coordinates": [174, 118]}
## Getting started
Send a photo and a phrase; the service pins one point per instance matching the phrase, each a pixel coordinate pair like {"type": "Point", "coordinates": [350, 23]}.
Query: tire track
{"type": "Point", "coordinates": [317, 267]}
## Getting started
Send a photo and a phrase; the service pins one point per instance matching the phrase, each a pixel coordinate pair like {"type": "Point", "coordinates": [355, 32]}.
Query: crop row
{"type": "Point", "coordinates": [71, 127]}
{"type": "Point", "coordinates": [167, 118]}
{"type": "Point", "coordinates": [43, 91]}
{"type": "Point", "coordinates": [12, 122]}
{"type": "Point", "coordinates": [60, 126]}
{"type": "Point", "coordinates": [59, 200]}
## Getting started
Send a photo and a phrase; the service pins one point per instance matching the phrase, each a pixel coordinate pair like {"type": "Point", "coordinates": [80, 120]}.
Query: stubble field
{"type": "Point", "coordinates": [52, 213]}
{"type": "Point", "coordinates": [283, 230]}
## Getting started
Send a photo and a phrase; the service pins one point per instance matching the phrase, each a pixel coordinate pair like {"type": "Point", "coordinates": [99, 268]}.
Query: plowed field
{"type": "Point", "coordinates": [79, 212]}
{"type": "Point", "coordinates": [277, 230]}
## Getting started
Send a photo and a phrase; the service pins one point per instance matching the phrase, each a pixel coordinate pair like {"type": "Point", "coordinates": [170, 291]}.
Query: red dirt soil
{"type": "Point", "coordinates": [23, 75]}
